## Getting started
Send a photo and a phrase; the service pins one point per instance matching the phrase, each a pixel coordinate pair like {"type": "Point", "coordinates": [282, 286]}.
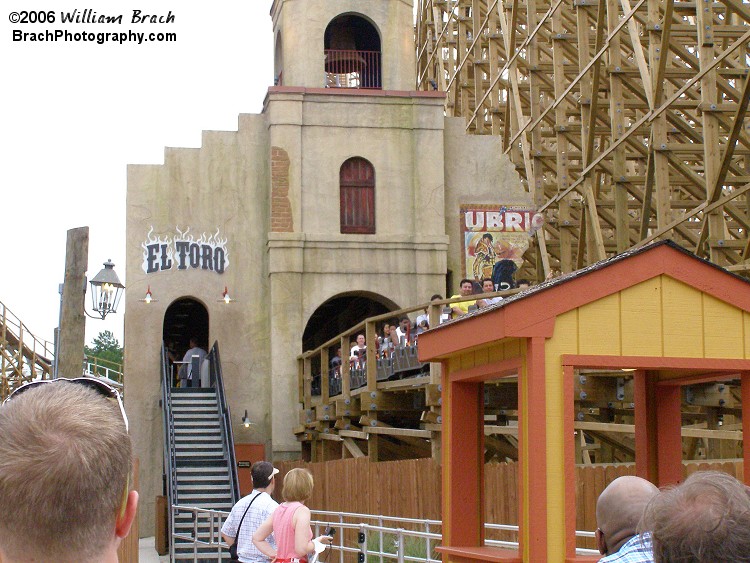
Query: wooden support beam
{"type": "Point", "coordinates": [352, 447]}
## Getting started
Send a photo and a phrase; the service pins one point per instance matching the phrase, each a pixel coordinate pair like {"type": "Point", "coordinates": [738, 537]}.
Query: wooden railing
{"type": "Point", "coordinates": [315, 363]}
{"type": "Point", "coordinates": [351, 404]}
{"type": "Point", "coordinates": [23, 356]}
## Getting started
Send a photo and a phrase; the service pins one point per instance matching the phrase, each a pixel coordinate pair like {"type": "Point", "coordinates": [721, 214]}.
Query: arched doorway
{"type": "Point", "coordinates": [353, 53]}
{"type": "Point", "coordinates": [184, 319]}
{"type": "Point", "coordinates": [341, 312]}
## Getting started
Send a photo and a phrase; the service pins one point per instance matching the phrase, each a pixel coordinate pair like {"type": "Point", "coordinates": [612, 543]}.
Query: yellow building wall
{"type": "Point", "coordinates": [661, 317]}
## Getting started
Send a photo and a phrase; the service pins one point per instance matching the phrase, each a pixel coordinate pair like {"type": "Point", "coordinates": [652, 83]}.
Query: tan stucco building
{"type": "Point", "coordinates": [341, 198]}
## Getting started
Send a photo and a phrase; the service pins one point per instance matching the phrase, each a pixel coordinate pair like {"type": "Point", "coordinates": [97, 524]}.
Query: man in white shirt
{"type": "Point", "coordinates": [187, 377]}
{"type": "Point", "coordinates": [256, 507]}
{"type": "Point", "coordinates": [359, 349]}
{"type": "Point", "coordinates": [488, 286]}
{"type": "Point", "coordinates": [403, 330]}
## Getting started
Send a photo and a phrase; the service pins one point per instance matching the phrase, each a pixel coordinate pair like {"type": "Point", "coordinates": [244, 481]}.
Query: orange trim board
{"type": "Point", "coordinates": [480, 554]}
{"type": "Point", "coordinates": [488, 372]}
{"type": "Point", "coordinates": [727, 365]}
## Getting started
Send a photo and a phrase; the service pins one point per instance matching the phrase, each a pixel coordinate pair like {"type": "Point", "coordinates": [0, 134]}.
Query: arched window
{"type": "Point", "coordinates": [357, 192]}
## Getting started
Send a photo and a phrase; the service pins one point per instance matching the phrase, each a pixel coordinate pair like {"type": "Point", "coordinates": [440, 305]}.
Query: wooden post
{"type": "Point", "coordinates": [72, 320]}
{"type": "Point", "coordinates": [667, 400]}
{"type": "Point", "coordinates": [745, 390]}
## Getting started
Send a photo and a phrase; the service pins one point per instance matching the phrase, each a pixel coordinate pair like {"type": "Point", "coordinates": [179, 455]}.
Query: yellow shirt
{"type": "Point", "coordinates": [463, 305]}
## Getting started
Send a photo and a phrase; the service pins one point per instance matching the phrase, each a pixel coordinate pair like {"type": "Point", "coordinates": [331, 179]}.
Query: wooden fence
{"type": "Point", "coordinates": [412, 488]}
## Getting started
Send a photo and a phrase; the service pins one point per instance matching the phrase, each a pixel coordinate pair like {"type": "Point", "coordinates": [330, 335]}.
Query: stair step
{"type": "Point", "coordinates": [195, 410]}
{"type": "Point", "coordinates": [206, 479]}
{"type": "Point", "coordinates": [203, 470]}
{"type": "Point", "coordinates": [203, 487]}
{"type": "Point", "coordinates": [224, 505]}
{"type": "Point", "coordinates": [207, 442]}
{"type": "Point", "coordinates": [206, 502]}
{"type": "Point", "coordinates": [218, 506]}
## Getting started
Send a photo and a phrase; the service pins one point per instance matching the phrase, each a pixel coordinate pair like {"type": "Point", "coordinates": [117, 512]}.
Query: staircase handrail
{"type": "Point", "coordinates": [169, 448]}
{"type": "Point", "coordinates": [226, 421]}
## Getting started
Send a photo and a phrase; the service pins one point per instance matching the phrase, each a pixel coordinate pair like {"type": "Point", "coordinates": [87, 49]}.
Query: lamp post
{"type": "Point", "coordinates": [106, 291]}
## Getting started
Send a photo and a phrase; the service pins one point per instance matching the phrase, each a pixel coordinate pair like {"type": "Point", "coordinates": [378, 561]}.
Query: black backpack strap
{"type": "Point", "coordinates": [236, 537]}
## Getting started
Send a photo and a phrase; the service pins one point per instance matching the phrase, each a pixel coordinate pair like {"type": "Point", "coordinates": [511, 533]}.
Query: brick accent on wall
{"type": "Point", "coordinates": [281, 208]}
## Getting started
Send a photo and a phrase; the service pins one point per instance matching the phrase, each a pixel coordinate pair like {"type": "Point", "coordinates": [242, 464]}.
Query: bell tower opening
{"type": "Point", "coordinates": [352, 53]}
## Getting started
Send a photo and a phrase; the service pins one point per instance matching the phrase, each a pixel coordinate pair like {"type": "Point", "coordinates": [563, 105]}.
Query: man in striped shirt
{"type": "Point", "coordinates": [256, 507]}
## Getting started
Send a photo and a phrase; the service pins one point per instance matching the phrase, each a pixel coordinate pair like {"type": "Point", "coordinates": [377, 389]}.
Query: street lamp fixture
{"type": "Point", "coordinates": [106, 290]}
{"type": "Point", "coordinates": [246, 422]}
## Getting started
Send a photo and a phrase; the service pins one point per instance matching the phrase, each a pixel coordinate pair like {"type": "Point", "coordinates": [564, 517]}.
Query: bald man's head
{"type": "Point", "coordinates": [619, 509]}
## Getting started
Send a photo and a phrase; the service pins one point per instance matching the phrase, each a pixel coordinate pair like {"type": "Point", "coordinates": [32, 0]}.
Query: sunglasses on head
{"type": "Point", "coordinates": [99, 386]}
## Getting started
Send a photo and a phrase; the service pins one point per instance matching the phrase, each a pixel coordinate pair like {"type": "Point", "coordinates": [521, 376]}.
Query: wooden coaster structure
{"type": "Point", "coordinates": [23, 357]}
{"type": "Point", "coordinates": [626, 119]}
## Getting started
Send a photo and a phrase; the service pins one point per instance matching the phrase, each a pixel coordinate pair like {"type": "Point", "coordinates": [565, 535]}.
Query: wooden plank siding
{"type": "Point", "coordinates": [411, 489]}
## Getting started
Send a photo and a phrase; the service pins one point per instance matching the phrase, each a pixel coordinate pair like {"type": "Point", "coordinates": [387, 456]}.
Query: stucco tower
{"type": "Point", "coordinates": [357, 210]}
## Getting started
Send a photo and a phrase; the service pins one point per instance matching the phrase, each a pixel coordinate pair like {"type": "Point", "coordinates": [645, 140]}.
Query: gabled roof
{"type": "Point", "coordinates": [532, 312]}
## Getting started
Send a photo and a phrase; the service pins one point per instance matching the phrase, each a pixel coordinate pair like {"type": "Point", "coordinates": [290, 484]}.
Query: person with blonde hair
{"type": "Point", "coordinates": [65, 464]}
{"type": "Point", "coordinates": [290, 523]}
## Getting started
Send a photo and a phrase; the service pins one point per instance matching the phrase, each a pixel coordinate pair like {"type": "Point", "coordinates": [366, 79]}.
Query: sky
{"type": "Point", "coordinates": [75, 114]}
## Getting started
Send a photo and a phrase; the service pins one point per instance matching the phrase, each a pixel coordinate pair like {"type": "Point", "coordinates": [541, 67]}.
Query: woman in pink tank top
{"type": "Point", "coordinates": [290, 522]}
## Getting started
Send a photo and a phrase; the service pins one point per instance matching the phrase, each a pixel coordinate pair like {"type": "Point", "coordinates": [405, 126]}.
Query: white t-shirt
{"type": "Point", "coordinates": [261, 509]}
{"type": "Point", "coordinates": [356, 352]}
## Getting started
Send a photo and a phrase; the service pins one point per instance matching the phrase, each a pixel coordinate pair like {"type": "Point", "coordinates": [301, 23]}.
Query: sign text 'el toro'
{"type": "Point", "coordinates": [184, 251]}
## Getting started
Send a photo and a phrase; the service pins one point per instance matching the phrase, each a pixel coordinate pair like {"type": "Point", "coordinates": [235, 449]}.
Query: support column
{"type": "Point", "coordinates": [667, 399]}
{"type": "Point", "coordinates": [745, 390]}
{"type": "Point", "coordinates": [72, 337]}
{"type": "Point", "coordinates": [463, 464]}
{"type": "Point", "coordinates": [645, 427]}
{"type": "Point", "coordinates": [532, 434]}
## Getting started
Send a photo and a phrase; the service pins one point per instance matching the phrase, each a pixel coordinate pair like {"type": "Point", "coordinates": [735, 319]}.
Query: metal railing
{"type": "Point", "coordinates": [101, 368]}
{"type": "Point", "coordinates": [352, 69]}
{"type": "Point", "coordinates": [168, 475]}
{"type": "Point", "coordinates": [226, 421]}
{"type": "Point", "coordinates": [395, 539]}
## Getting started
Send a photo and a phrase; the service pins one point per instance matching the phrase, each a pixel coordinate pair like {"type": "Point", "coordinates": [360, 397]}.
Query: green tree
{"type": "Point", "coordinates": [107, 348]}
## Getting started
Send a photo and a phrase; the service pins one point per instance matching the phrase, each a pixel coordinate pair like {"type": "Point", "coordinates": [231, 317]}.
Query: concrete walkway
{"type": "Point", "coordinates": [147, 552]}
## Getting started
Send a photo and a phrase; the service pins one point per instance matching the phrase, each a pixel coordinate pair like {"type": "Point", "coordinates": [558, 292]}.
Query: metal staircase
{"type": "Point", "coordinates": [200, 467]}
